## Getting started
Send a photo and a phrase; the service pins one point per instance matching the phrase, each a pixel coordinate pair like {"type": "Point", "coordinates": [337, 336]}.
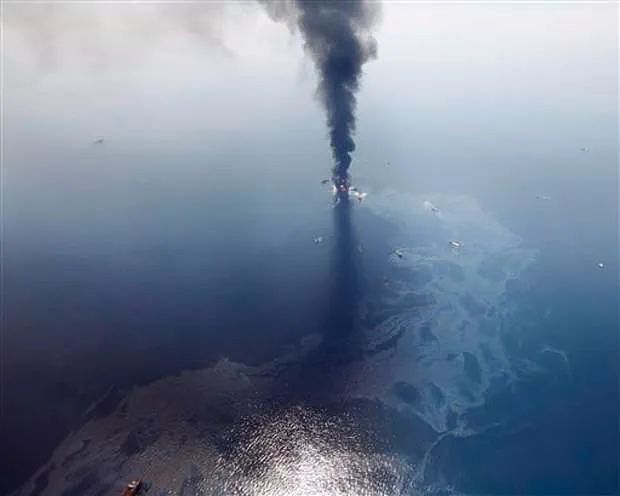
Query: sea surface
{"type": "Point", "coordinates": [350, 350]}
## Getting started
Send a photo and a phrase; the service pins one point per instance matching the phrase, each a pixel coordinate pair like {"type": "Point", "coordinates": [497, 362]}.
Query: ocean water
{"type": "Point", "coordinates": [337, 367]}
{"type": "Point", "coordinates": [167, 313]}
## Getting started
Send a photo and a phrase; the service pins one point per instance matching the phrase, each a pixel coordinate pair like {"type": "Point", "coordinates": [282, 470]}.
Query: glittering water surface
{"type": "Point", "coordinates": [305, 453]}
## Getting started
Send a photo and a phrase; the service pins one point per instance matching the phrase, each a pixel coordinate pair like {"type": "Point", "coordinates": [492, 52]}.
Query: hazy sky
{"type": "Point", "coordinates": [186, 71]}
{"type": "Point", "coordinates": [474, 97]}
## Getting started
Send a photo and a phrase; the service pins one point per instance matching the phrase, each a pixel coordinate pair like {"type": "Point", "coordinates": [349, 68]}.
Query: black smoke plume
{"type": "Point", "coordinates": [337, 35]}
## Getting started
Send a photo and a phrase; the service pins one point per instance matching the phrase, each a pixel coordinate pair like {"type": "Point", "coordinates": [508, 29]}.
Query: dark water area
{"type": "Point", "coordinates": [115, 329]}
{"type": "Point", "coordinates": [555, 438]}
{"type": "Point", "coordinates": [100, 328]}
{"type": "Point", "coordinates": [558, 432]}
{"type": "Point", "coordinates": [115, 318]}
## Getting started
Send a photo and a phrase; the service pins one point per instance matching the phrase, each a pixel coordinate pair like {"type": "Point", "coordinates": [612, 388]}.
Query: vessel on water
{"type": "Point", "coordinates": [133, 488]}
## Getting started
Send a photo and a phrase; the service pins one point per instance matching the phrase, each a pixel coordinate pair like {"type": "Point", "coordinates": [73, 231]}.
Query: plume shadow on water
{"type": "Point", "coordinates": [343, 305]}
{"type": "Point", "coordinates": [314, 375]}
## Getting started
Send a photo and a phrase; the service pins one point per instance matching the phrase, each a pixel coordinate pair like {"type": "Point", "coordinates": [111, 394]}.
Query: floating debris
{"type": "Point", "coordinates": [455, 244]}
{"type": "Point", "coordinates": [543, 197]}
{"type": "Point", "coordinates": [360, 248]}
{"type": "Point", "coordinates": [584, 149]}
{"type": "Point", "coordinates": [386, 281]}
{"type": "Point", "coordinates": [98, 141]}
{"type": "Point", "coordinates": [358, 195]}
{"type": "Point", "coordinates": [600, 265]}
{"type": "Point", "coordinates": [429, 206]}
{"type": "Point", "coordinates": [318, 240]}
{"type": "Point", "coordinates": [325, 181]}
{"type": "Point", "coordinates": [399, 253]}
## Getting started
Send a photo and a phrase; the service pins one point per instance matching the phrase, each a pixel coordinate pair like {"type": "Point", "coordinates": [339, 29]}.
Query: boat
{"type": "Point", "coordinates": [133, 488]}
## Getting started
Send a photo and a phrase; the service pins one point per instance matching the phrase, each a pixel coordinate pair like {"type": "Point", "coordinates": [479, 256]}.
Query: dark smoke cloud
{"type": "Point", "coordinates": [338, 37]}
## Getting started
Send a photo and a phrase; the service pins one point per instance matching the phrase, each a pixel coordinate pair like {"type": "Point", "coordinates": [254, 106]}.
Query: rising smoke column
{"type": "Point", "coordinates": [338, 38]}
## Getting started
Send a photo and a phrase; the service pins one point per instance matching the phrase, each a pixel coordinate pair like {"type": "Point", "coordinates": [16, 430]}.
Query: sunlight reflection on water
{"type": "Point", "coordinates": [300, 452]}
